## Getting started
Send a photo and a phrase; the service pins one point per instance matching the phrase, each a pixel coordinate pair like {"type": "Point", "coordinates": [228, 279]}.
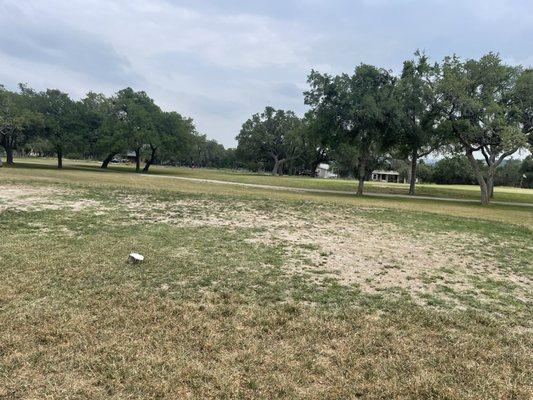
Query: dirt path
{"type": "Point", "coordinates": [294, 189]}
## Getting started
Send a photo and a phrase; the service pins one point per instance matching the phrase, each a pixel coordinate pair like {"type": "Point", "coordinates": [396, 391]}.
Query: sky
{"type": "Point", "coordinates": [220, 61]}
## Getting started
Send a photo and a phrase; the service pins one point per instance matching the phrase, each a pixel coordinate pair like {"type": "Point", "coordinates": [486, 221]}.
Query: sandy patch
{"type": "Point", "coordinates": [345, 246]}
{"type": "Point", "coordinates": [31, 198]}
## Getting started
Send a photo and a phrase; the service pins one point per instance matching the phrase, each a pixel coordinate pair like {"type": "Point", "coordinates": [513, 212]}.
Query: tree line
{"type": "Point", "coordinates": [480, 109]}
{"type": "Point", "coordinates": [98, 127]}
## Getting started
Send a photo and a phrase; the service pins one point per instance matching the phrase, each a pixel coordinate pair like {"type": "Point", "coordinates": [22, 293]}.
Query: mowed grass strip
{"type": "Point", "coordinates": [215, 313]}
{"type": "Point", "coordinates": [470, 192]}
{"type": "Point", "coordinates": [44, 174]}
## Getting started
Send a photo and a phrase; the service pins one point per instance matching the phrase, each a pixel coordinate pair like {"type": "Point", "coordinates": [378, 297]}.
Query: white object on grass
{"type": "Point", "coordinates": [135, 258]}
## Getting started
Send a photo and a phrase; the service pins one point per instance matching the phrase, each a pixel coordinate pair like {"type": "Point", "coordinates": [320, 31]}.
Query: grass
{"type": "Point", "coordinates": [251, 293]}
{"type": "Point", "coordinates": [471, 192]}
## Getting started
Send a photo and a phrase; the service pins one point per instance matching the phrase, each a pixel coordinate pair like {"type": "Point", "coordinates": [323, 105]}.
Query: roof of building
{"type": "Point", "coordinates": [323, 166]}
{"type": "Point", "coordinates": [382, 172]}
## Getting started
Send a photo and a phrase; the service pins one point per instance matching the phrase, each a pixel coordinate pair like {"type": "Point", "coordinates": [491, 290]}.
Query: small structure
{"type": "Point", "coordinates": [385, 176]}
{"type": "Point", "coordinates": [130, 156]}
{"type": "Point", "coordinates": [322, 171]}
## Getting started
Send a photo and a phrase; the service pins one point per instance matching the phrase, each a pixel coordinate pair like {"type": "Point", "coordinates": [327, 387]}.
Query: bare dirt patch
{"type": "Point", "coordinates": [347, 247]}
{"type": "Point", "coordinates": [32, 198]}
{"type": "Point", "coordinates": [320, 243]}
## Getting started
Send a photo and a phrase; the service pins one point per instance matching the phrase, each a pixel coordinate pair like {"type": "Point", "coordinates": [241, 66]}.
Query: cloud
{"type": "Point", "coordinates": [65, 47]}
{"type": "Point", "coordinates": [221, 61]}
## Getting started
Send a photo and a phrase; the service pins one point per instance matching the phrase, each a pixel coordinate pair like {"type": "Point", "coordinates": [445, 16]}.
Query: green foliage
{"type": "Point", "coordinates": [62, 127]}
{"type": "Point", "coordinates": [50, 123]}
{"type": "Point", "coordinates": [523, 101]}
{"type": "Point", "coordinates": [424, 172]}
{"type": "Point", "coordinates": [526, 171]}
{"type": "Point", "coordinates": [453, 170]}
{"type": "Point", "coordinates": [355, 122]}
{"type": "Point", "coordinates": [362, 109]}
{"type": "Point", "coordinates": [345, 158]}
{"type": "Point", "coordinates": [419, 107]}
{"type": "Point", "coordinates": [17, 117]}
{"type": "Point", "coordinates": [272, 137]}
{"type": "Point", "coordinates": [478, 99]}
{"type": "Point", "coordinates": [93, 110]}
{"type": "Point", "coordinates": [508, 173]}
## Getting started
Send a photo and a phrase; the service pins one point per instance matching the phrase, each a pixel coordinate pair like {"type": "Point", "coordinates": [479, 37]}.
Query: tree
{"type": "Point", "coordinates": [16, 116]}
{"type": "Point", "coordinates": [523, 100]}
{"type": "Point", "coordinates": [425, 172]}
{"type": "Point", "coordinates": [172, 134]}
{"type": "Point", "coordinates": [131, 124]}
{"type": "Point", "coordinates": [508, 173]}
{"type": "Point", "coordinates": [318, 135]}
{"type": "Point", "coordinates": [270, 135]}
{"type": "Point", "coordinates": [526, 171]}
{"type": "Point", "coordinates": [363, 109]}
{"type": "Point", "coordinates": [478, 100]}
{"type": "Point", "coordinates": [61, 121]}
{"type": "Point", "coordinates": [419, 112]}
{"type": "Point", "coordinates": [453, 170]}
{"type": "Point", "coordinates": [113, 133]}
{"type": "Point", "coordinates": [344, 159]}
{"type": "Point", "coordinates": [94, 109]}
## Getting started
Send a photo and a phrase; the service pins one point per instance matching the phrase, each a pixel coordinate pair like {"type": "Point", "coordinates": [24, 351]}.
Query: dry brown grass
{"type": "Point", "coordinates": [250, 294]}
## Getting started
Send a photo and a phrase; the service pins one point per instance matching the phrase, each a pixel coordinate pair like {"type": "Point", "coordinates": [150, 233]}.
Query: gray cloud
{"type": "Point", "coordinates": [219, 62]}
{"type": "Point", "coordinates": [69, 49]}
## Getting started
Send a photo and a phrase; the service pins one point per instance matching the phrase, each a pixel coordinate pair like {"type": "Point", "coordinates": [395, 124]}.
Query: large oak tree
{"type": "Point", "coordinates": [481, 115]}
{"type": "Point", "coordinates": [362, 107]}
{"type": "Point", "coordinates": [16, 117]}
{"type": "Point", "coordinates": [420, 112]}
{"type": "Point", "coordinates": [272, 135]}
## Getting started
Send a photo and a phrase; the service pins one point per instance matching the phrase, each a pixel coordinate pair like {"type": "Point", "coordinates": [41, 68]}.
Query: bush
{"type": "Point", "coordinates": [508, 173]}
{"type": "Point", "coordinates": [526, 169]}
{"type": "Point", "coordinates": [424, 172]}
{"type": "Point", "coordinates": [454, 170]}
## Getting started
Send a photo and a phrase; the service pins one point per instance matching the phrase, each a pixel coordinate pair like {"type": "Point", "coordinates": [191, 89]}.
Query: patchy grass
{"type": "Point", "coordinates": [471, 192]}
{"type": "Point", "coordinates": [248, 293]}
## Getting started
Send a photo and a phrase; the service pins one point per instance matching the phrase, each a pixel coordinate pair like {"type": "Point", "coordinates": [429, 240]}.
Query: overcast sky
{"type": "Point", "coordinates": [219, 61]}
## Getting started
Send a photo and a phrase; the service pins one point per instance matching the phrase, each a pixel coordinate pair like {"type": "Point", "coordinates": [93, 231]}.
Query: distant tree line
{"type": "Point", "coordinates": [457, 170]}
{"type": "Point", "coordinates": [50, 123]}
{"type": "Point", "coordinates": [476, 112]}
{"type": "Point", "coordinates": [479, 109]}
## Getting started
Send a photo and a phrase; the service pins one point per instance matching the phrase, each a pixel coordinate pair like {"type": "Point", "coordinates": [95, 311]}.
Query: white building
{"type": "Point", "coordinates": [385, 176]}
{"type": "Point", "coordinates": [322, 171]}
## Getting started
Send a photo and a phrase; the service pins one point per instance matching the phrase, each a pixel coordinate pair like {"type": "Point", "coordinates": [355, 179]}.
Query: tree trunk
{"type": "Point", "coordinates": [59, 158]}
{"type": "Point", "coordinates": [277, 164]}
{"type": "Point", "coordinates": [485, 197]}
{"type": "Point", "coordinates": [137, 160]}
{"type": "Point", "coordinates": [490, 187]}
{"type": "Point", "coordinates": [9, 155]}
{"type": "Point", "coordinates": [362, 174]}
{"type": "Point", "coordinates": [412, 180]}
{"type": "Point", "coordinates": [318, 159]}
{"type": "Point", "coordinates": [490, 182]}
{"type": "Point", "coordinates": [107, 160]}
{"type": "Point", "coordinates": [151, 160]}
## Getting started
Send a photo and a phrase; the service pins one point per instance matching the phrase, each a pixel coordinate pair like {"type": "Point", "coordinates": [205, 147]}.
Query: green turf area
{"type": "Point", "coordinates": [253, 293]}
{"type": "Point", "coordinates": [506, 194]}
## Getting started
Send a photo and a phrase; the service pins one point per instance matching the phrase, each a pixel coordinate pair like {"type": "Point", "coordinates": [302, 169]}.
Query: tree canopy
{"type": "Point", "coordinates": [478, 110]}
{"type": "Point", "coordinates": [271, 137]}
